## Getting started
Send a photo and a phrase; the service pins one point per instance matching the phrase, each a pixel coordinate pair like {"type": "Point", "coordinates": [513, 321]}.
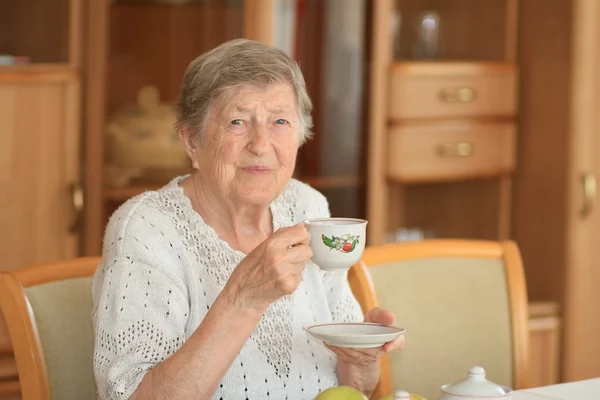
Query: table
{"type": "Point", "coordinates": [582, 390]}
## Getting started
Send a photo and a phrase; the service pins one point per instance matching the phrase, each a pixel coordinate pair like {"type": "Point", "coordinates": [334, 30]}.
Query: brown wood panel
{"type": "Point", "coordinates": [545, 351]}
{"type": "Point", "coordinates": [310, 47]}
{"type": "Point", "coordinates": [94, 102]}
{"type": "Point", "coordinates": [559, 145]}
{"type": "Point", "coordinates": [581, 317]}
{"type": "Point", "coordinates": [541, 179]}
{"type": "Point", "coordinates": [258, 15]}
{"type": "Point", "coordinates": [36, 73]}
{"type": "Point", "coordinates": [511, 38]}
{"type": "Point", "coordinates": [544, 327]}
{"type": "Point", "coordinates": [466, 209]}
{"type": "Point", "coordinates": [380, 57]}
{"type": "Point", "coordinates": [5, 343]}
{"type": "Point", "coordinates": [34, 192]}
{"type": "Point", "coordinates": [8, 367]}
{"type": "Point", "coordinates": [10, 390]}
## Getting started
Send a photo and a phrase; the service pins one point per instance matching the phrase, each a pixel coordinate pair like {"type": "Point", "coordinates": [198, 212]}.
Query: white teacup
{"type": "Point", "coordinates": [337, 243]}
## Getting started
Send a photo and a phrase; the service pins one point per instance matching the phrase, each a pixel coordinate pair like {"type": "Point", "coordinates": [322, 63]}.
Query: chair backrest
{"type": "Point", "coordinates": [47, 309]}
{"type": "Point", "coordinates": [463, 303]}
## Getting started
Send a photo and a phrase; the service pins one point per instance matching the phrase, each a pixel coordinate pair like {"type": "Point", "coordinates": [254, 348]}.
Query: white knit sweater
{"type": "Point", "coordinates": [162, 269]}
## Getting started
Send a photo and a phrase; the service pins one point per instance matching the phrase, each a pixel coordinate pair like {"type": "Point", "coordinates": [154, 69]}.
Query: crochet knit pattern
{"type": "Point", "coordinates": [162, 269]}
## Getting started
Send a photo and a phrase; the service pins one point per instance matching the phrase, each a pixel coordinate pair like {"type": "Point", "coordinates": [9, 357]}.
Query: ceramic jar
{"type": "Point", "coordinates": [475, 387]}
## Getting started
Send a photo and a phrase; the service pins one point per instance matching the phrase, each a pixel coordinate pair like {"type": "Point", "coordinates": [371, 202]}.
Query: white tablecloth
{"type": "Point", "coordinates": [582, 390]}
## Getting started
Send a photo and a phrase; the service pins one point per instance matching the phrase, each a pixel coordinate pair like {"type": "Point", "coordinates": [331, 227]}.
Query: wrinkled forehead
{"type": "Point", "coordinates": [275, 98]}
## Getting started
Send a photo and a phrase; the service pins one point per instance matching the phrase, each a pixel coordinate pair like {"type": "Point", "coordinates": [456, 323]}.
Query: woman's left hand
{"type": "Point", "coordinates": [365, 357]}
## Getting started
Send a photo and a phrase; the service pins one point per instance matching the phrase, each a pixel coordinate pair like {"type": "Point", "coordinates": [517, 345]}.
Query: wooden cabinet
{"type": "Point", "coordinates": [519, 82]}
{"type": "Point", "coordinates": [40, 97]}
{"type": "Point", "coordinates": [40, 101]}
{"type": "Point", "coordinates": [556, 217]}
{"type": "Point", "coordinates": [442, 128]}
{"type": "Point", "coordinates": [38, 165]}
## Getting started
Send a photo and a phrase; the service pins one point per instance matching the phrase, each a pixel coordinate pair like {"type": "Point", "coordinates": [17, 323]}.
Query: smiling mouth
{"type": "Point", "coordinates": [257, 169]}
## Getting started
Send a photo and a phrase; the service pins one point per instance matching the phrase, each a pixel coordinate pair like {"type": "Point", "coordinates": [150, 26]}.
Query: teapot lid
{"type": "Point", "coordinates": [476, 385]}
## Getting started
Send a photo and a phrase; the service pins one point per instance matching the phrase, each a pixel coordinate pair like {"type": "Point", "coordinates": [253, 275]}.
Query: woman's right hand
{"type": "Point", "coordinates": [272, 270]}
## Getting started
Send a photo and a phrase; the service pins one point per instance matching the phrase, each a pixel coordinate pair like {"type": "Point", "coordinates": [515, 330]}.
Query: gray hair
{"type": "Point", "coordinates": [214, 74]}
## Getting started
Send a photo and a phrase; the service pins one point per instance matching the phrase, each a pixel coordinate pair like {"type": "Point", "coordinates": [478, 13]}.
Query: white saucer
{"type": "Point", "coordinates": [357, 335]}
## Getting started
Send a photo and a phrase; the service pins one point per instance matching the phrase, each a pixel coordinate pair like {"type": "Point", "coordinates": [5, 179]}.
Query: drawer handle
{"type": "Point", "coordinates": [78, 205]}
{"type": "Point", "coordinates": [459, 149]}
{"type": "Point", "coordinates": [458, 95]}
{"type": "Point", "coordinates": [588, 182]}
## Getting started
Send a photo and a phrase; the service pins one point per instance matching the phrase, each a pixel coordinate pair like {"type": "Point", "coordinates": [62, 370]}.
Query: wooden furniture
{"type": "Point", "coordinates": [40, 101]}
{"type": "Point", "coordinates": [544, 332]}
{"type": "Point", "coordinates": [463, 303]}
{"type": "Point", "coordinates": [39, 121]}
{"type": "Point", "coordinates": [549, 52]}
{"type": "Point", "coordinates": [53, 351]}
{"type": "Point", "coordinates": [442, 131]}
{"type": "Point", "coordinates": [39, 163]}
{"type": "Point", "coordinates": [556, 218]}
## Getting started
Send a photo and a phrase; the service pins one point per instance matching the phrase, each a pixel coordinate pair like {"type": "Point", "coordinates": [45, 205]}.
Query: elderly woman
{"type": "Point", "coordinates": [203, 290]}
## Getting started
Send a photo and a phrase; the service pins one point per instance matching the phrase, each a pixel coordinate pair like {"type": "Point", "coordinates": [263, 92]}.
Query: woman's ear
{"type": "Point", "coordinates": [191, 142]}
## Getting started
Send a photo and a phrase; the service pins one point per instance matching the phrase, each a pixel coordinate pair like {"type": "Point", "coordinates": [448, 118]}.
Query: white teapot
{"type": "Point", "coordinates": [475, 387]}
{"type": "Point", "coordinates": [142, 142]}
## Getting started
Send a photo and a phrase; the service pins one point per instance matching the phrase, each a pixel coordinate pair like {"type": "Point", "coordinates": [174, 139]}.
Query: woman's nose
{"type": "Point", "coordinates": [260, 142]}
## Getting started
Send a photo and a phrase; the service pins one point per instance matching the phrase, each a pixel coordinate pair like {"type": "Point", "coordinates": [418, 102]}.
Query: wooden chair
{"type": "Point", "coordinates": [47, 309]}
{"type": "Point", "coordinates": [463, 303]}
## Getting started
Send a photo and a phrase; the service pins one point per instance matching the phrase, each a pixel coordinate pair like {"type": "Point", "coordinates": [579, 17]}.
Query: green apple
{"type": "Point", "coordinates": [341, 393]}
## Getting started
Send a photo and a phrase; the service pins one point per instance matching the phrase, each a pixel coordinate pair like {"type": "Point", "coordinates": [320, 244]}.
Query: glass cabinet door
{"type": "Point", "coordinates": [453, 30]}
{"type": "Point", "coordinates": [34, 31]}
{"type": "Point", "coordinates": [150, 45]}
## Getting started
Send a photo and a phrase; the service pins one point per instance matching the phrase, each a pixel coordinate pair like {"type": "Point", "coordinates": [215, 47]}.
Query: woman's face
{"type": "Point", "coordinates": [251, 142]}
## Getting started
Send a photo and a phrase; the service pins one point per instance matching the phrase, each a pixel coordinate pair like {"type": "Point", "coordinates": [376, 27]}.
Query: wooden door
{"type": "Point", "coordinates": [39, 142]}
{"type": "Point", "coordinates": [39, 170]}
{"type": "Point", "coordinates": [581, 355]}
{"type": "Point", "coordinates": [38, 163]}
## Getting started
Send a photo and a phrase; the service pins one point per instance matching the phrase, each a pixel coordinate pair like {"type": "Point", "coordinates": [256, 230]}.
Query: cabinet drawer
{"type": "Point", "coordinates": [452, 90]}
{"type": "Point", "coordinates": [421, 152]}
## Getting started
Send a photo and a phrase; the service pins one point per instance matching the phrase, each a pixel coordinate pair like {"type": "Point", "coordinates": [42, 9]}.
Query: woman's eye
{"type": "Point", "coordinates": [281, 122]}
{"type": "Point", "coordinates": [237, 122]}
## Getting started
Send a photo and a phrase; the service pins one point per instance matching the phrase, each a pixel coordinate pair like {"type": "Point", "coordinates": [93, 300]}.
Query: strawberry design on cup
{"type": "Point", "coordinates": [345, 243]}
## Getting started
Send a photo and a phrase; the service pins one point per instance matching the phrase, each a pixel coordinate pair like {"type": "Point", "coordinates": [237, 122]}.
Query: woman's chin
{"type": "Point", "coordinates": [257, 194]}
